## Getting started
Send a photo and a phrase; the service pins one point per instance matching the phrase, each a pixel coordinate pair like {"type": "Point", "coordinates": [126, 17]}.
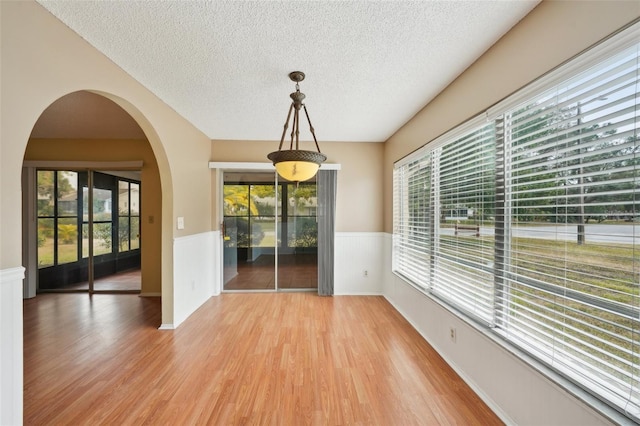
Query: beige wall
{"type": "Point", "coordinates": [551, 34]}
{"type": "Point", "coordinates": [151, 197]}
{"type": "Point", "coordinates": [359, 191]}
{"type": "Point", "coordinates": [43, 60]}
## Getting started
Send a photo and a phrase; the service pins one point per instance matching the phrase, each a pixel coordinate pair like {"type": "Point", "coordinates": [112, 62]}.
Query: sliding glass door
{"type": "Point", "coordinates": [88, 231]}
{"type": "Point", "coordinates": [298, 248]}
{"type": "Point", "coordinates": [249, 232]}
{"type": "Point", "coordinates": [269, 233]}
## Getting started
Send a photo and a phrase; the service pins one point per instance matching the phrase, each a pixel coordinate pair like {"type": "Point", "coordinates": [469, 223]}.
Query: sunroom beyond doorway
{"type": "Point", "coordinates": [270, 232]}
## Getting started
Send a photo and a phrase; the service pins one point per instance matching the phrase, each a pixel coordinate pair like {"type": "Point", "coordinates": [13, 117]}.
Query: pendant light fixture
{"type": "Point", "coordinates": [297, 165]}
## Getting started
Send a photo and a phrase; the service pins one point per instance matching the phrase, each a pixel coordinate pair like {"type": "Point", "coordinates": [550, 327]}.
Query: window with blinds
{"type": "Point", "coordinates": [463, 208]}
{"type": "Point", "coordinates": [444, 220]}
{"type": "Point", "coordinates": [412, 220]}
{"type": "Point", "coordinates": [571, 290]}
{"type": "Point", "coordinates": [530, 222]}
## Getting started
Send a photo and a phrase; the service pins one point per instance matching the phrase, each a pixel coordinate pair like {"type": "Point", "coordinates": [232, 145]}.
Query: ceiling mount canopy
{"type": "Point", "coordinates": [297, 165]}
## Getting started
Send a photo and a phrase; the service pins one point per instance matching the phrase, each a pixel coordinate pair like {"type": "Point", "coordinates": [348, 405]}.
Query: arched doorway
{"type": "Point", "coordinates": [92, 200]}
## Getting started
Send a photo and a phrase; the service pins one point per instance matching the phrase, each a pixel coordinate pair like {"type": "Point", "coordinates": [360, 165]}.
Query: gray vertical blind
{"type": "Point", "coordinates": [327, 184]}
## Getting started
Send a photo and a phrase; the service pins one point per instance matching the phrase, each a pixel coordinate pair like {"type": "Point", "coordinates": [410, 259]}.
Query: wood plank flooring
{"type": "Point", "coordinates": [257, 358]}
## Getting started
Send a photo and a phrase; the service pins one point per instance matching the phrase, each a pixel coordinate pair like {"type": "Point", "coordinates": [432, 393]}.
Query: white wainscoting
{"type": "Point", "coordinates": [196, 274]}
{"type": "Point", "coordinates": [11, 364]}
{"type": "Point", "coordinates": [387, 271]}
{"type": "Point", "coordinates": [514, 390]}
{"type": "Point", "coordinates": [359, 263]}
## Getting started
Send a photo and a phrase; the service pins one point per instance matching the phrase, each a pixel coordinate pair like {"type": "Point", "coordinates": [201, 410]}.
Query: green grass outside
{"type": "Point", "coordinates": [68, 253]}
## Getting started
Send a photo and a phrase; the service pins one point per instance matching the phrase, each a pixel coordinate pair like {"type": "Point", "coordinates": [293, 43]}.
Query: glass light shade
{"type": "Point", "coordinates": [297, 171]}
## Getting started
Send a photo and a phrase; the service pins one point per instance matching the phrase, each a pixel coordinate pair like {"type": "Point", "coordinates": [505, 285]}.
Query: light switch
{"type": "Point", "coordinates": [180, 222]}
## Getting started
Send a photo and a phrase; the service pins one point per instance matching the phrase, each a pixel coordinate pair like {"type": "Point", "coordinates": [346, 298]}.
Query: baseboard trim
{"type": "Point", "coordinates": [497, 409]}
{"type": "Point", "coordinates": [166, 327]}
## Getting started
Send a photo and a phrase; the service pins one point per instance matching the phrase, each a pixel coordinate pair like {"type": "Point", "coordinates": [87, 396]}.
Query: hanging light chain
{"type": "Point", "coordinates": [296, 125]}
{"type": "Point", "coordinates": [313, 131]}
{"type": "Point", "coordinates": [297, 98]}
{"type": "Point", "coordinates": [286, 126]}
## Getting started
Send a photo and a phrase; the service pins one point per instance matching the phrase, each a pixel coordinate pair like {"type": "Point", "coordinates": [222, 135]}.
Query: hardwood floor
{"type": "Point", "coordinates": [257, 358]}
{"type": "Point", "coordinates": [130, 280]}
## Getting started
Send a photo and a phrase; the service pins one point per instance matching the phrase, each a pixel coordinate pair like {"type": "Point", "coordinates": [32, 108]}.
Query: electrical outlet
{"type": "Point", "coordinates": [365, 273]}
{"type": "Point", "coordinates": [452, 334]}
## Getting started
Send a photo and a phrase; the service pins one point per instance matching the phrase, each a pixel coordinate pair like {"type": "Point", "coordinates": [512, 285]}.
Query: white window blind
{"type": "Point", "coordinates": [443, 220]}
{"type": "Point", "coordinates": [412, 225]}
{"type": "Point", "coordinates": [463, 202]}
{"type": "Point", "coordinates": [531, 222]}
{"type": "Point", "coordinates": [571, 290]}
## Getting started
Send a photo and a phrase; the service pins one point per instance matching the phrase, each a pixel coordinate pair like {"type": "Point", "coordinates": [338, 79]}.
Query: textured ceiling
{"type": "Point", "coordinates": [224, 65]}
